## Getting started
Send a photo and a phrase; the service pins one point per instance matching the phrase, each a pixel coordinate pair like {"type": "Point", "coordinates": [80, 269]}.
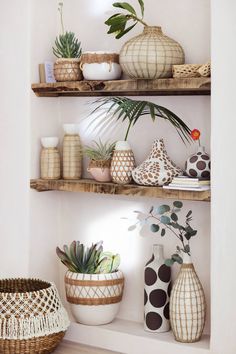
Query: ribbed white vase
{"type": "Point", "coordinates": [187, 304]}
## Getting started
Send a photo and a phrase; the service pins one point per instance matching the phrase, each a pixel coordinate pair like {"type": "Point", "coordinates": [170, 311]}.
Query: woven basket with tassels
{"type": "Point", "coordinates": [32, 318]}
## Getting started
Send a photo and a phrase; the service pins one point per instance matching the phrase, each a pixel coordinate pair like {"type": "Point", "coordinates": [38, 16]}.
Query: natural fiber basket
{"type": "Point", "coordinates": [32, 318]}
{"type": "Point", "coordinates": [72, 157]}
{"type": "Point", "coordinates": [50, 163]}
{"type": "Point", "coordinates": [67, 70]}
{"type": "Point", "coordinates": [186, 70]}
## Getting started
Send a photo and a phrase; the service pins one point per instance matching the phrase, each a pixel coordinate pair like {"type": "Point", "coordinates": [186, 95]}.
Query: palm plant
{"type": "Point", "coordinates": [128, 110]}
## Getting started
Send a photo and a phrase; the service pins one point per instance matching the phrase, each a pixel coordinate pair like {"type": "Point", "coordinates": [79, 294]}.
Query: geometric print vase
{"type": "Point", "coordinates": [94, 298]}
{"type": "Point", "coordinates": [122, 163]}
{"type": "Point", "coordinates": [187, 305]}
{"type": "Point", "coordinates": [198, 165]}
{"type": "Point", "coordinates": [157, 277]}
{"type": "Point", "coordinates": [157, 169]}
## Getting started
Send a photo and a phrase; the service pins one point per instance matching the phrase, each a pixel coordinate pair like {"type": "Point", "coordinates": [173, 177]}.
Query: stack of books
{"type": "Point", "coordinates": [189, 184]}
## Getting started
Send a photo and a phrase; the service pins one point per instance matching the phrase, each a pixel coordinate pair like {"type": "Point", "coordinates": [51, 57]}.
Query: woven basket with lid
{"type": "Point", "coordinates": [32, 318]}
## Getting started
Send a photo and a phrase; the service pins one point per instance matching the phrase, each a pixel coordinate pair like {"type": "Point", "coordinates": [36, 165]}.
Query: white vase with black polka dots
{"type": "Point", "coordinates": [198, 165]}
{"type": "Point", "coordinates": [157, 288]}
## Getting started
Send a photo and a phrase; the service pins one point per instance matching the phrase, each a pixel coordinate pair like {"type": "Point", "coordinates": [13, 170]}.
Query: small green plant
{"type": "Point", "coordinates": [164, 218]}
{"type": "Point", "coordinates": [66, 44]}
{"type": "Point", "coordinates": [119, 22]}
{"type": "Point", "coordinates": [100, 151]}
{"type": "Point", "coordinates": [91, 260]}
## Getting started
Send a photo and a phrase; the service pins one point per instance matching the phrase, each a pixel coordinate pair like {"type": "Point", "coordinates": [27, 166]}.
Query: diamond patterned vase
{"type": "Point", "coordinates": [157, 169]}
{"type": "Point", "coordinates": [94, 298]}
{"type": "Point", "coordinates": [122, 163]}
{"type": "Point", "coordinates": [187, 305]}
{"type": "Point", "coordinates": [67, 70]}
{"type": "Point", "coordinates": [150, 55]}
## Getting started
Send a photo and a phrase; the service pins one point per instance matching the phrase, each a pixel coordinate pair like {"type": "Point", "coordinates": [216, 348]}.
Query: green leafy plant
{"type": "Point", "coordinates": [120, 23]}
{"type": "Point", "coordinates": [165, 218]}
{"type": "Point", "coordinates": [91, 260]}
{"type": "Point", "coordinates": [100, 151]}
{"type": "Point", "coordinates": [128, 110]}
{"type": "Point", "coordinates": [66, 44]}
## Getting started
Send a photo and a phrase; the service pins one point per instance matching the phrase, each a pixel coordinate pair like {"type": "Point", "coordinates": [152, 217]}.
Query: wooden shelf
{"type": "Point", "coordinates": [91, 186]}
{"type": "Point", "coordinates": [160, 87]}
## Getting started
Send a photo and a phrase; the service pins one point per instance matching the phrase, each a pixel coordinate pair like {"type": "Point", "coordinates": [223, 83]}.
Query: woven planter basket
{"type": "Point", "coordinates": [50, 163]}
{"type": "Point", "coordinates": [72, 157]}
{"type": "Point", "coordinates": [186, 70]}
{"type": "Point", "coordinates": [32, 318]}
{"type": "Point", "coordinates": [67, 70]}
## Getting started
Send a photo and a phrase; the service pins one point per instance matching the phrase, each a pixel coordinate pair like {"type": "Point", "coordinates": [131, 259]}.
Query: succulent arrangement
{"type": "Point", "coordinates": [88, 260]}
{"type": "Point", "coordinates": [128, 110]}
{"type": "Point", "coordinates": [119, 22]}
{"type": "Point", "coordinates": [100, 152]}
{"type": "Point", "coordinates": [66, 44]}
{"type": "Point", "coordinates": [164, 218]}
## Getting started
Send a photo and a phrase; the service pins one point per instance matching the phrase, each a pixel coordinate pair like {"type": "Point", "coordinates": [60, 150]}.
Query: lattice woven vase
{"type": "Point", "coordinates": [72, 157]}
{"type": "Point", "coordinates": [122, 163]}
{"type": "Point", "coordinates": [150, 55]}
{"type": "Point", "coordinates": [50, 163]}
{"type": "Point", "coordinates": [32, 318]}
{"type": "Point", "coordinates": [67, 70]}
{"type": "Point", "coordinates": [94, 298]}
{"type": "Point", "coordinates": [187, 306]}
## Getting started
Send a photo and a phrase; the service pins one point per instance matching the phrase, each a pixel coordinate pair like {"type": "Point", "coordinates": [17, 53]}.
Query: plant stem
{"type": "Point", "coordinates": [61, 16]}
{"type": "Point", "coordinates": [135, 18]}
{"type": "Point", "coordinates": [127, 132]}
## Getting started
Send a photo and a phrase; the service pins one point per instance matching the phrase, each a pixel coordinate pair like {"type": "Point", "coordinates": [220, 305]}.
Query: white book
{"type": "Point", "coordinates": [183, 188]}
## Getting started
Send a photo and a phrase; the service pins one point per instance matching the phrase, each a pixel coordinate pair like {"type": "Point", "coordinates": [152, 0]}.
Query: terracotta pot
{"type": "Point", "coordinates": [157, 280]}
{"type": "Point", "coordinates": [67, 70]}
{"type": "Point", "coordinates": [100, 170]}
{"type": "Point", "coordinates": [150, 55]}
{"type": "Point", "coordinates": [122, 163]}
{"type": "Point", "coordinates": [94, 298]}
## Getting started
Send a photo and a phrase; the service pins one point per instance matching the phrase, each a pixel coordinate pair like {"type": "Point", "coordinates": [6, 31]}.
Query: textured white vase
{"type": "Point", "coordinates": [94, 298]}
{"type": "Point", "coordinates": [187, 304]}
{"type": "Point", "coordinates": [157, 287]}
{"type": "Point", "coordinates": [150, 55]}
{"type": "Point", "coordinates": [122, 163]}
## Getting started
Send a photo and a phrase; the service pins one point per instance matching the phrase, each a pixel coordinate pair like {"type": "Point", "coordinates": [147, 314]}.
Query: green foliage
{"type": "Point", "coordinates": [128, 110]}
{"type": "Point", "coordinates": [67, 46]}
{"type": "Point", "coordinates": [100, 151]}
{"type": "Point", "coordinates": [122, 23]}
{"type": "Point", "coordinates": [90, 260]}
{"type": "Point", "coordinates": [164, 218]}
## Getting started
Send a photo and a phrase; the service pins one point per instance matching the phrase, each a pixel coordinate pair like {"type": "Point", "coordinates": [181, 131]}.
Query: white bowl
{"type": "Point", "coordinates": [71, 128]}
{"type": "Point", "coordinates": [49, 142]}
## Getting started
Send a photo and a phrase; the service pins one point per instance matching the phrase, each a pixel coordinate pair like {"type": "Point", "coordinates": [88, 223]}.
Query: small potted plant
{"type": "Point", "coordinates": [68, 51]}
{"type": "Point", "coordinates": [94, 285]}
{"type": "Point", "coordinates": [100, 155]}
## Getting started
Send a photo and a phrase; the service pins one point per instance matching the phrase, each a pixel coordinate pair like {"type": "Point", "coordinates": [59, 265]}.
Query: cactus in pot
{"type": "Point", "coordinates": [94, 284]}
{"type": "Point", "coordinates": [100, 155]}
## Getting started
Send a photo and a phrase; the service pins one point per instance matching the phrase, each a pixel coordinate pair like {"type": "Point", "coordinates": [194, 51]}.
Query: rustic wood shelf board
{"type": "Point", "coordinates": [91, 186]}
{"type": "Point", "coordinates": [160, 87]}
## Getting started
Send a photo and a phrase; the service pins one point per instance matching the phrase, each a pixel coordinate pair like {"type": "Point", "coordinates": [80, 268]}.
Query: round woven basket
{"type": "Point", "coordinates": [67, 70]}
{"type": "Point", "coordinates": [32, 318]}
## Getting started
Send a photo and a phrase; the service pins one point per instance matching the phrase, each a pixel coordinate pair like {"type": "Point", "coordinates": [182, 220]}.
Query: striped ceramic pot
{"type": "Point", "coordinates": [94, 298]}
{"type": "Point", "coordinates": [187, 305]}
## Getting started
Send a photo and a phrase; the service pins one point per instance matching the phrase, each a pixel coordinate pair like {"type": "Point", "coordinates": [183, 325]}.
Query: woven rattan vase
{"type": "Point", "coordinates": [94, 298]}
{"type": "Point", "coordinates": [122, 163]}
{"type": "Point", "coordinates": [72, 153]}
{"type": "Point", "coordinates": [150, 55]}
{"type": "Point", "coordinates": [187, 305]}
{"type": "Point", "coordinates": [67, 70]}
{"type": "Point", "coordinates": [50, 159]}
{"type": "Point", "coordinates": [32, 318]}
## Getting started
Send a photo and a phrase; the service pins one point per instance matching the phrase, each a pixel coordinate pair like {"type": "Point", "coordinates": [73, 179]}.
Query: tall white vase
{"type": "Point", "coordinates": [157, 287]}
{"type": "Point", "coordinates": [187, 305]}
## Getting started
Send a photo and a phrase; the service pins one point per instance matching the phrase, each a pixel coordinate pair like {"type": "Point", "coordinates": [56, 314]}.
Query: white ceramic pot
{"type": "Point", "coordinates": [71, 129]}
{"type": "Point", "coordinates": [94, 298]}
{"type": "Point", "coordinates": [100, 66]}
{"type": "Point", "coordinates": [49, 142]}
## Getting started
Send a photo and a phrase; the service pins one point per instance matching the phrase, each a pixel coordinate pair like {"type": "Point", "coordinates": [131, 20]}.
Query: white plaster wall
{"type": "Point", "coordinates": [14, 138]}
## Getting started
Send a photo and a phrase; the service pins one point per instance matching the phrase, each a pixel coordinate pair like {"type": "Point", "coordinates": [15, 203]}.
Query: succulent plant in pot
{"type": "Point", "coordinates": [149, 55]}
{"type": "Point", "coordinates": [94, 284]}
{"type": "Point", "coordinates": [100, 155]}
{"type": "Point", "coordinates": [68, 51]}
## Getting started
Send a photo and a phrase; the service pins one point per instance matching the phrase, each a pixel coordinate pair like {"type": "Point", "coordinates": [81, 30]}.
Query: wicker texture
{"type": "Point", "coordinates": [205, 70]}
{"type": "Point", "coordinates": [94, 289]}
{"type": "Point", "coordinates": [122, 165]}
{"type": "Point", "coordinates": [186, 70]}
{"type": "Point", "coordinates": [187, 306]}
{"type": "Point", "coordinates": [67, 70]}
{"type": "Point", "coordinates": [50, 163]}
{"type": "Point", "coordinates": [90, 58]}
{"type": "Point", "coordinates": [150, 55]}
{"type": "Point", "coordinates": [32, 319]}
{"type": "Point", "coordinates": [72, 157]}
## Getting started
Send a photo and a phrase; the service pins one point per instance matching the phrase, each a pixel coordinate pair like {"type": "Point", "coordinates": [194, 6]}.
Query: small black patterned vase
{"type": "Point", "coordinates": [199, 164]}
{"type": "Point", "coordinates": [157, 288]}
